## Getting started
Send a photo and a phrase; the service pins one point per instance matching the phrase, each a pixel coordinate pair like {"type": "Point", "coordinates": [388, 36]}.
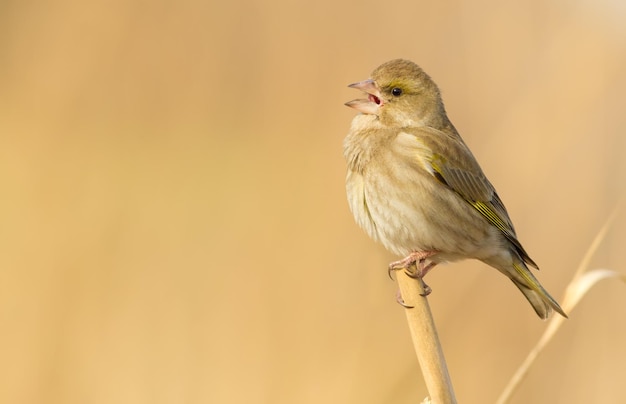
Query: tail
{"type": "Point", "coordinates": [538, 297]}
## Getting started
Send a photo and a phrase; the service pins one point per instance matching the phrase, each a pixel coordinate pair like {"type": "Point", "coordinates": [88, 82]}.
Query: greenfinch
{"type": "Point", "coordinates": [414, 185]}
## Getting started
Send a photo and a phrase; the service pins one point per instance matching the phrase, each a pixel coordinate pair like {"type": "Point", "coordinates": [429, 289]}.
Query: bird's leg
{"type": "Point", "coordinates": [415, 260]}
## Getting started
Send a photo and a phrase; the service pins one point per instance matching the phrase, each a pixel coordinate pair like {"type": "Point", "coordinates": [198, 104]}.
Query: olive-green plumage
{"type": "Point", "coordinates": [415, 186]}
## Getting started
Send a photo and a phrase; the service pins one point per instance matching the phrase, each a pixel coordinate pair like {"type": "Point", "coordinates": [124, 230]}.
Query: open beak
{"type": "Point", "coordinates": [373, 102]}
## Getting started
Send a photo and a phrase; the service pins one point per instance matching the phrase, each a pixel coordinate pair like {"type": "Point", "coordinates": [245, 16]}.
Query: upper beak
{"type": "Point", "coordinates": [372, 104]}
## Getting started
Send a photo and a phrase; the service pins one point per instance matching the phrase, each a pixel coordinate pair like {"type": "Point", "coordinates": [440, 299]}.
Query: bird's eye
{"type": "Point", "coordinates": [396, 91]}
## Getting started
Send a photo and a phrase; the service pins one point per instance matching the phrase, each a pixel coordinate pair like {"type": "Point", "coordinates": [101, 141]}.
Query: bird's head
{"type": "Point", "coordinates": [400, 94]}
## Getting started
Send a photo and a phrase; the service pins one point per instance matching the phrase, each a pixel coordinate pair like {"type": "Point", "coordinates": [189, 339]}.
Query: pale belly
{"type": "Point", "coordinates": [409, 212]}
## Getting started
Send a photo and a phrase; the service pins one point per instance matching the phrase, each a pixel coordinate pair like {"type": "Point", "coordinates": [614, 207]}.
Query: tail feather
{"type": "Point", "coordinates": [538, 297]}
{"type": "Point", "coordinates": [542, 308]}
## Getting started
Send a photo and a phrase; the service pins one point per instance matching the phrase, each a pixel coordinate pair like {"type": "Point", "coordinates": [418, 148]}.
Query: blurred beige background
{"type": "Point", "coordinates": [173, 220]}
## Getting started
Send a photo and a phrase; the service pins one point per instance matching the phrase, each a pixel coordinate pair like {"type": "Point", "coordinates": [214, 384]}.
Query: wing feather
{"type": "Point", "coordinates": [454, 166]}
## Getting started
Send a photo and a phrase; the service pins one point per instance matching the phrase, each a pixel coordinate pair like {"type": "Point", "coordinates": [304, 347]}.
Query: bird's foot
{"type": "Point", "coordinates": [415, 266]}
{"type": "Point", "coordinates": [413, 258]}
{"type": "Point", "coordinates": [401, 302]}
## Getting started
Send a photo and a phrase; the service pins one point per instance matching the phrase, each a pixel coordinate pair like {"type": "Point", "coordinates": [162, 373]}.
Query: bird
{"type": "Point", "coordinates": [414, 185]}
